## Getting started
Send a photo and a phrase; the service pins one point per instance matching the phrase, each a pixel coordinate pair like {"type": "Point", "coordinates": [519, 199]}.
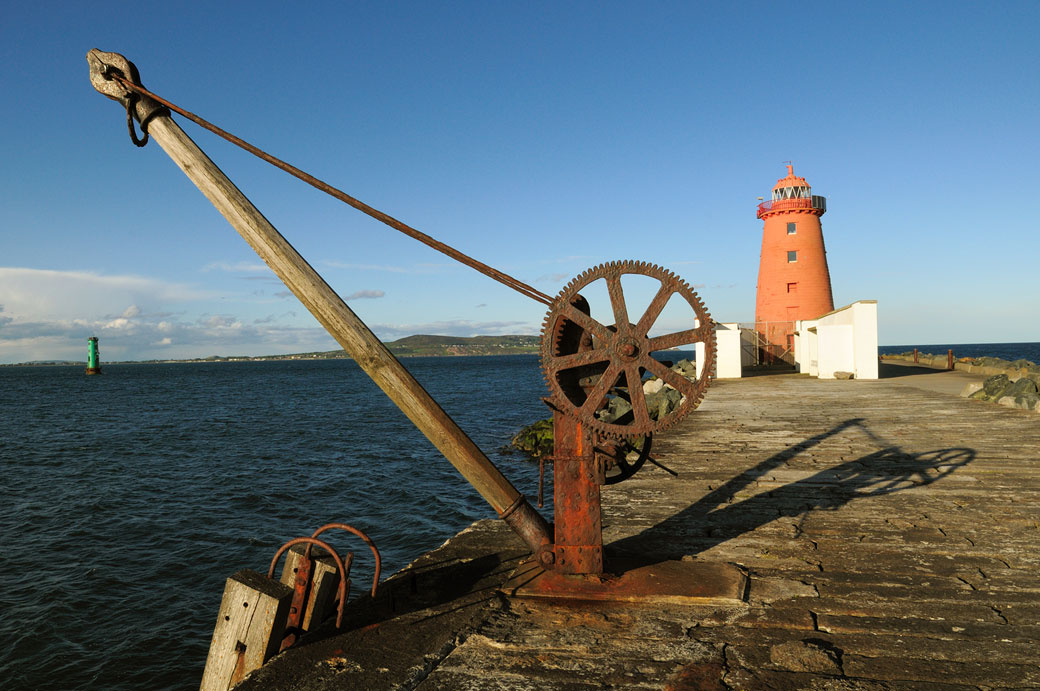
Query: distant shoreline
{"type": "Point", "coordinates": [410, 346]}
{"type": "Point", "coordinates": [481, 346]}
{"type": "Point", "coordinates": [258, 358]}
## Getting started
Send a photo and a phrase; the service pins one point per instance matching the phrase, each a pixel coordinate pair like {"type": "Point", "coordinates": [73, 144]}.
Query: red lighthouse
{"type": "Point", "coordinates": [793, 280]}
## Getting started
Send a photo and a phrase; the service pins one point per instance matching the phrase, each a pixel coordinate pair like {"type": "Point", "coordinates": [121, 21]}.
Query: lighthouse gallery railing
{"type": "Point", "coordinates": [813, 202]}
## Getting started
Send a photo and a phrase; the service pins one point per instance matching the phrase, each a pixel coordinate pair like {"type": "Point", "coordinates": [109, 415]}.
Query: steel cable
{"type": "Point", "coordinates": [455, 254]}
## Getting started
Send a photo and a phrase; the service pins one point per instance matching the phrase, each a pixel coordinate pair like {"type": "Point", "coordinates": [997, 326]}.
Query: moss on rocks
{"type": "Point", "coordinates": [536, 440]}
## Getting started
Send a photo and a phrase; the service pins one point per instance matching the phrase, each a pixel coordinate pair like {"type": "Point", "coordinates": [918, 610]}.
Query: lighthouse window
{"type": "Point", "coordinates": [792, 256]}
{"type": "Point", "coordinates": [792, 287]}
{"type": "Point", "coordinates": [791, 227]}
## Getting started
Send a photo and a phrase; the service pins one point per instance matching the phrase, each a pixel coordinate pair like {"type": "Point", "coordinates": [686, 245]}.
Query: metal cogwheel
{"type": "Point", "coordinates": [594, 370]}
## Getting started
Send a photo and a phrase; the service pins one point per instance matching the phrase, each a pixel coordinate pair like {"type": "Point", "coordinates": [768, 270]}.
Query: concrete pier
{"type": "Point", "coordinates": [889, 530]}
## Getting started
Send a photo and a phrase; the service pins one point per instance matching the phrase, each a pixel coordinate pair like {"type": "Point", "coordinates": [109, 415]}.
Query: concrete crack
{"type": "Point", "coordinates": [431, 662]}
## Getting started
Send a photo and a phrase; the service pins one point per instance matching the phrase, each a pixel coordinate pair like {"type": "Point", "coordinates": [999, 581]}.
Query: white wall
{"type": "Point", "coordinates": [731, 355]}
{"type": "Point", "coordinates": [727, 351]}
{"type": "Point", "coordinates": [844, 340]}
{"type": "Point", "coordinates": [837, 352]}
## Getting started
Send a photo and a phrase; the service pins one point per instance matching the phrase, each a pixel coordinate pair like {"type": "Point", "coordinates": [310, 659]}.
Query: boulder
{"type": "Point", "coordinates": [997, 362]}
{"type": "Point", "coordinates": [536, 439]}
{"type": "Point", "coordinates": [663, 402]}
{"type": "Point", "coordinates": [1023, 401]}
{"type": "Point", "coordinates": [843, 375]}
{"type": "Point", "coordinates": [1020, 386]}
{"type": "Point", "coordinates": [686, 368]}
{"type": "Point", "coordinates": [653, 386]}
{"type": "Point", "coordinates": [994, 386]}
{"type": "Point", "coordinates": [616, 409]}
{"type": "Point", "coordinates": [1021, 393]}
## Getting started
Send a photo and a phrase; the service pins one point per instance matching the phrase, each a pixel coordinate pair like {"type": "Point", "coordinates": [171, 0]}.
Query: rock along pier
{"type": "Point", "coordinates": [889, 531]}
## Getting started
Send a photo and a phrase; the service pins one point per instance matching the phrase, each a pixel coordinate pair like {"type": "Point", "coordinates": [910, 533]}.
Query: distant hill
{"type": "Point", "coordinates": [425, 345]}
{"type": "Point", "coordinates": [463, 345]}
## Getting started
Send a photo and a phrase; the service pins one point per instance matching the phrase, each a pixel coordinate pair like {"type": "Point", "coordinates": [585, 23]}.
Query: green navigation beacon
{"type": "Point", "coordinates": [93, 361]}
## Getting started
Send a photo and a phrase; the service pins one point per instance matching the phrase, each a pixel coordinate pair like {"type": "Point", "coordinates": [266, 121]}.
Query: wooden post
{"type": "Point", "coordinates": [249, 628]}
{"type": "Point", "coordinates": [327, 307]}
{"type": "Point", "coordinates": [324, 582]}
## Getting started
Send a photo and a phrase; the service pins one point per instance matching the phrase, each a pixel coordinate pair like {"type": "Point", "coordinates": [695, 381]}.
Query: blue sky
{"type": "Point", "coordinates": [542, 138]}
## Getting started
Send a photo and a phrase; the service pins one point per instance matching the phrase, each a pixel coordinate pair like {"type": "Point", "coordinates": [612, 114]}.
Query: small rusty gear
{"type": "Point", "coordinates": [587, 364]}
{"type": "Point", "coordinates": [618, 466]}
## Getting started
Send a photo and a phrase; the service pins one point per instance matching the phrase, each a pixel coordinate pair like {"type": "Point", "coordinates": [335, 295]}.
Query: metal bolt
{"type": "Point", "coordinates": [548, 558]}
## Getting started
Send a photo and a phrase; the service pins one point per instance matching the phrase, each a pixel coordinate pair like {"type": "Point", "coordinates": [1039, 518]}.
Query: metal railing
{"type": "Point", "coordinates": [814, 202]}
{"type": "Point", "coordinates": [769, 345]}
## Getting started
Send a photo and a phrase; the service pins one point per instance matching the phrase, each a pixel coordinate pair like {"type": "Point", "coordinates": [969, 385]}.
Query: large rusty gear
{"type": "Point", "coordinates": [586, 363]}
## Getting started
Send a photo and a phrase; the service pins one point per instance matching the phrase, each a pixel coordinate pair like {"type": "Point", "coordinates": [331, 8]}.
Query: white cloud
{"type": "Point", "coordinates": [35, 294]}
{"type": "Point", "coordinates": [237, 267]}
{"type": "Point", "coordinates": [47, 315]}
{"type": "Point", "coordinates": [220, 321]}
{"type": "Point", "coordinates": [364, 294]}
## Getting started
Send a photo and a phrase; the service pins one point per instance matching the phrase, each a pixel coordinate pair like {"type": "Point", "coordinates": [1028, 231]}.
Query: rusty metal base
{"type": "Point", "coordinates": [666, 582]}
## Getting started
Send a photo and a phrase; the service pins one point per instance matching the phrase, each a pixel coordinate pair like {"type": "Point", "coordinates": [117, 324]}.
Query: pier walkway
{"type": "Point", "coordinates": [890, 531]}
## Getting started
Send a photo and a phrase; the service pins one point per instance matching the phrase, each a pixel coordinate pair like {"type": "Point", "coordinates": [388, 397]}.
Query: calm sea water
{"type": "Point", "coordinates": [1007, 351]}
{"type": "Point", "coordinates": [128, 498]}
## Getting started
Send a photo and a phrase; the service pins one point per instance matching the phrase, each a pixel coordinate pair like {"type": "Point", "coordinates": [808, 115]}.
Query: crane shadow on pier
{"type": "Point", "coordinates": [719, 516]}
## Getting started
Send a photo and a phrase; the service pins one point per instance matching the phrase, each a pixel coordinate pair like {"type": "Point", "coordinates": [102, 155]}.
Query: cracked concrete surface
{"type": "Point", "coordinates": [891, 534]}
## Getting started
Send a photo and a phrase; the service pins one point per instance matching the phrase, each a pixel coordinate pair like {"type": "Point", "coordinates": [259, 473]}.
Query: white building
{"type": "Point", "coordinates": [845, 340]}
{"type": "Point", "coordinates": [734, 350]}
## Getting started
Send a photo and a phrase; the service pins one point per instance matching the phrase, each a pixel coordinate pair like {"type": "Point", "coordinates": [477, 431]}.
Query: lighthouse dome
{"type": "Point", "coordinates": [791, 187]}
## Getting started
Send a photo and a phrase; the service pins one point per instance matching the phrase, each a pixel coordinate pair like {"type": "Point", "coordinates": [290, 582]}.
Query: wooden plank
{"type": "Point", "coordinates": [249, 629]}
{"type": "Point", "coordinates": [324, 582]}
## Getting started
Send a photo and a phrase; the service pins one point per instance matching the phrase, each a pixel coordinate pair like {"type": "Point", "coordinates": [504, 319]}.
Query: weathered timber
{"type": "Point", "coordinates": [249, 629]}
{"type": "Point", "coordinates": [324, 582]}
{"type": "Point", "coordinates": [329, 309]}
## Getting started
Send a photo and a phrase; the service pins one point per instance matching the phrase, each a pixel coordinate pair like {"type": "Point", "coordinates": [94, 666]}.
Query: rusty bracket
{"type": "Point", "coordinates": [525, 520]}
{"type": "Point", "coordinates": [301, 586]}
{"type": "Point", "coordinates": [366, 538]}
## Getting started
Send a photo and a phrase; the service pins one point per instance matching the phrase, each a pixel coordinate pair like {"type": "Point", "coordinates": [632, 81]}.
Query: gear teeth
{"type": "Point", "coordinates": [552, 333]}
